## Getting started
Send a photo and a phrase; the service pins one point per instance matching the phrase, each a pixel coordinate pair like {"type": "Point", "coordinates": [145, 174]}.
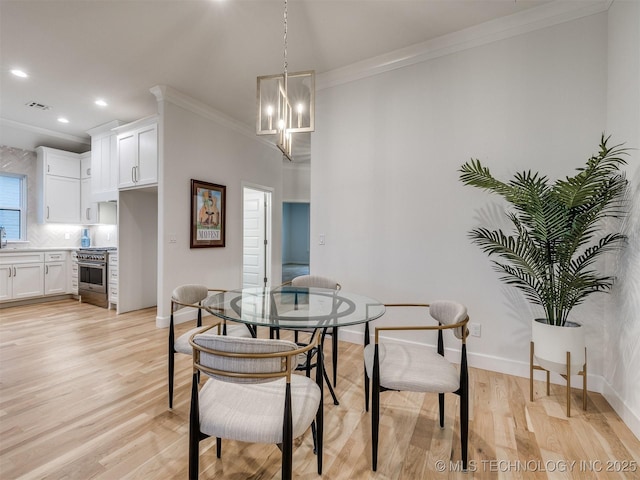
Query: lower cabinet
{"type": "Point", "coordinates": [25, 275]}
{"type": "Point", "coordinates": [55, 273]}
{"type": "Point", "coordinates": [21, 276]}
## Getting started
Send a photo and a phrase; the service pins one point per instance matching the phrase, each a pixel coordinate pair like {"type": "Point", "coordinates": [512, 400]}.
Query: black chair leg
{"type": "Point", "coordinates": [194, 432]}
{"type": "Point", "coordinates": [287, 437]}
{"type": "Point", "coordinates": [464, 407]}
{"type": "Point", "coordinates": [218, 447]}
{"type": "Point", "coordinates": [441, 405]}
{"type": "Point", "coordinates": [171, 369]}
{"type": "Point", "coordinates": [375, 411]}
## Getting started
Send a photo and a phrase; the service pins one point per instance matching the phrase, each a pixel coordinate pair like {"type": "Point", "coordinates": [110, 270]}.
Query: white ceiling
{"type": "Point", "coordinates": [211, 50]}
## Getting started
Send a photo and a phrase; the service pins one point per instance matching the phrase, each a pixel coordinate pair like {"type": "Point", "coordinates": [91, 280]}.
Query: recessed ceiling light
{"type": "Point", "coordinates": [63, 120]}
{"type": "Point", "coordinates": [19, 73]}
{"type": "Point", "coordinates": [101, 103]}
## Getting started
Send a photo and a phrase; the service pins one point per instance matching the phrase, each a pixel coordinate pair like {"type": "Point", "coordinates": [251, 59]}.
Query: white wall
{"type": "Point", "coordinates": [622, 325]}
{"type": "Point", "coordinates": [538, 100]}
{"type": "Point", "coordinates": [198, 143]}
{"type": "Point", "coordinates": [296, 181]}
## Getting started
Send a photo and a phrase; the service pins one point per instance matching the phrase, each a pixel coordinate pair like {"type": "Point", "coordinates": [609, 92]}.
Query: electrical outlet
{"type": "Point", "coordinates": [475, 329]}
{"type": "Point", "coordinates": [321, 241]}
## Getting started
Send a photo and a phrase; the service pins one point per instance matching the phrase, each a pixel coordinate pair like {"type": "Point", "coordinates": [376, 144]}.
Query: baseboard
{"type": "Point", "coordinates": [630, 419]}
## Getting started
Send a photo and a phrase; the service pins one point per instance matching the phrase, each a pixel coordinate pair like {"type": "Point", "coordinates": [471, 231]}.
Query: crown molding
{"type": "Point", "coordinates": [546, 15]}
{"type": "Point", "coordinates": [165, 93]}
{"type": "Point", "coordinates": [44, 131]}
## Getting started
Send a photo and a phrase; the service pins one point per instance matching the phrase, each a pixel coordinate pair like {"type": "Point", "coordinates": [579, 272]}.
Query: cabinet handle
{"type": "Point", "coordinates": [47, 212]}
{"type": "Point", "coordinates": [89, 172]}
{"type": "Point", "coordinates": [133, 178]}
{"type": "Point", "coordinates": [9, 272]}
{"type": "Point", "coordinates": [48, 168]}
{"type": "Point", "coordinates": [46, 269]}
{"type": "Point", "coordinates": [87, 213]}
{"type": "Point", "coordinates": [15, 272]}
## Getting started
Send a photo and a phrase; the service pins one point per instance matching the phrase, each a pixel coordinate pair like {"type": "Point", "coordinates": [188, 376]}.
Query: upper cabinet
{"type": "Point", "coordinates": [138, 154]}
{"type": "Point", "coordinates": [58, 178]}
{"type": "Point", "coordinates": [88, 208]}
{"type": "Point", "coordinates": [104, 162]}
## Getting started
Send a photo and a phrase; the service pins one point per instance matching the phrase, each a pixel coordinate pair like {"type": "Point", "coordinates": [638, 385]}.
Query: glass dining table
{"type": "Point", "coordinates": [294, 308]}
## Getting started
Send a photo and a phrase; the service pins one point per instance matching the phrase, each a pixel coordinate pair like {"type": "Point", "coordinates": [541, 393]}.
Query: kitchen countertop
{"type": "Point", "coordinates": [14, 250]}
{"type": "Point", "coordinates": [36, 249]}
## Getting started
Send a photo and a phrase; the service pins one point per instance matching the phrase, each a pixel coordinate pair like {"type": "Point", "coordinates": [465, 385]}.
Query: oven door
{"type": "Point", "coordinates": [92, 276]}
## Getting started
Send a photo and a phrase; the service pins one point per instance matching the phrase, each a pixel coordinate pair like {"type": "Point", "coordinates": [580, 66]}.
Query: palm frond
{"type": "Point", "coordinates": [551, 252]}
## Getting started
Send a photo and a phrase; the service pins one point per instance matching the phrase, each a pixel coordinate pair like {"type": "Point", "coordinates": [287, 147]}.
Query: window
{"type": "Point", "coordinates": [13, 211]}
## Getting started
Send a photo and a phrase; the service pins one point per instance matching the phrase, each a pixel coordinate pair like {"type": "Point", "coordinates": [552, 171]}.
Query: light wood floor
{"type": "Point", "coordinates": [84, 395]}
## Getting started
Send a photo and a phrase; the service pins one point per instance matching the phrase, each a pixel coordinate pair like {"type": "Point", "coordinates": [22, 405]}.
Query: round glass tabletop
{"type": "Point", "coordinates": [294, 307]}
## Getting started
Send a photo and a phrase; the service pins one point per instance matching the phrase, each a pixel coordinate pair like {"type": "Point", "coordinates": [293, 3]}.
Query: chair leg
{"type": "Point", "coordinates": [218, 447]}
{"type": "Point", "coordinates": [464, 408]}
{"type": "Point", "coordinates": [366, 342]}
{"type": "Point", "coordinates": [287, 437]}
{"type": "Point", "coordinates": [171, 369]}
{"type": "Point", "coordinates": [441, 408]}
{"type": "Point", "coordinates": [171, 357]}
{"type": "Point", "coordinates": [375, 411]}
{"type": "Point", "coordinates": [194, 432]}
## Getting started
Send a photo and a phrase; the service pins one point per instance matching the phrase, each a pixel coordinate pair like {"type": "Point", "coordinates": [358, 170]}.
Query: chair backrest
{"type": "Point", "coordinates": [242, 360]}
{"type": "Point", "coordinates": [187, 295]}
{"type": "Point", "coordinates": [448, 313]}
{"type": "Point", "coordinates": [316, 281]}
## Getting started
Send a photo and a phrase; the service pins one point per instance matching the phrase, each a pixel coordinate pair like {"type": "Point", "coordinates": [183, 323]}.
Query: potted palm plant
{"type": "Point", "coordinates": [557, 238]}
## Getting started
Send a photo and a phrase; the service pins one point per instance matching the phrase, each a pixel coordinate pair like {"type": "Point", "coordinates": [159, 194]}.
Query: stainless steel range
{"type": "Point", "coordinates": [93, 275]}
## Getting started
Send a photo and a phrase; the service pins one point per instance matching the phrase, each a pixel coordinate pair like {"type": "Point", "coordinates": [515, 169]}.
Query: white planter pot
{"type": "Point", "coordinates": [551, 344]}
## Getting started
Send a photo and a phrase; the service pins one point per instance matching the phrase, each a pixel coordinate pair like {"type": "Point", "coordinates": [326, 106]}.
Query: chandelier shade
{"type": "Point", "coordinates": [286, 103]}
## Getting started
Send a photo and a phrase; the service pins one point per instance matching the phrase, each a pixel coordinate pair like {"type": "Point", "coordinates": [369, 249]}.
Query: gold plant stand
{"type": "Point", "coordinates": [566, 376]}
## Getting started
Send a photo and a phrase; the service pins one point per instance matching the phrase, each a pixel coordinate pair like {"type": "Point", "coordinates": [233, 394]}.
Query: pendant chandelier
{"type": "Point", "coordinates": [286, 103]}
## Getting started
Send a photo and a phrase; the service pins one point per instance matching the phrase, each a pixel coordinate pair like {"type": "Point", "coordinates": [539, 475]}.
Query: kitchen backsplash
{"type": "Point", "coordinates": [15, 160]}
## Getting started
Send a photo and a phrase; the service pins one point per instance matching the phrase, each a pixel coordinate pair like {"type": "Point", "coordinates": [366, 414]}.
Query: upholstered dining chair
{"type": "Point", "coordinates": [191, 295]}
{"type": "Point", "coordinates": [416, 368]}
{"type": "Point", "coordinates": [317, 281]}
{"type": "Point", "coordinates": [251, 395]}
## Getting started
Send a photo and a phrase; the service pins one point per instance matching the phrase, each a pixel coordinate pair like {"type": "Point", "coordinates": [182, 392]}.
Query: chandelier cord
{"type": "Point", "coordinates": [285, 39]}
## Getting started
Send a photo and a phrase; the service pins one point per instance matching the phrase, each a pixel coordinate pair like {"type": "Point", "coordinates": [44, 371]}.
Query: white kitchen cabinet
{"type": "Point", "coordinates": [73, 286]}
{"type": "Point", "coordinates": [138, 154]}
{"type": "Point", "coordinates": [58, 179]}
{"type": "Point", "coordinates": [104, 162]}
{"type": "Point", "coordinates": [21, 276]}
{"type": "Point", "coordinates": [113, 279]}
{"type": "Point", "coordinates": [55, 273]}
{"type": "Point", "coordinates": [88, 208]}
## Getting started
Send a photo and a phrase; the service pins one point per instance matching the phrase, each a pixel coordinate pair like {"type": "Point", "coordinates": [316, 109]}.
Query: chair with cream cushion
{"type": "Point", "coordinates": [416, 368]}
{"type": "Point", "coordinates": [251, 395]}
{"type": "Point", "coordinates": [192, 295]}
{"type": "Point", "coordinates": [317, 281]}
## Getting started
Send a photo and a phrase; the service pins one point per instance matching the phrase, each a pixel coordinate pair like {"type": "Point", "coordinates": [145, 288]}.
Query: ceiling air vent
{"type": "Point", "coordinates": [37, 105]}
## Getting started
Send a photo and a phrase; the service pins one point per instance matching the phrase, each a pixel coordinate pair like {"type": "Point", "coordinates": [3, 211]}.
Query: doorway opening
{"type": "Point", "coordinates": [295, 240]}
{"type": "Point", "coordinates": [256, 246]}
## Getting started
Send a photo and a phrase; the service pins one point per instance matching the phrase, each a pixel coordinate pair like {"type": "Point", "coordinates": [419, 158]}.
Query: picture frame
{"type": "Point", "coordinates": [208, 214]}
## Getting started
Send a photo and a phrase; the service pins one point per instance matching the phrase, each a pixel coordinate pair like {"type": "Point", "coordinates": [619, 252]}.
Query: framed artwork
{"type": "Point", "coordinates": [208, 205]}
